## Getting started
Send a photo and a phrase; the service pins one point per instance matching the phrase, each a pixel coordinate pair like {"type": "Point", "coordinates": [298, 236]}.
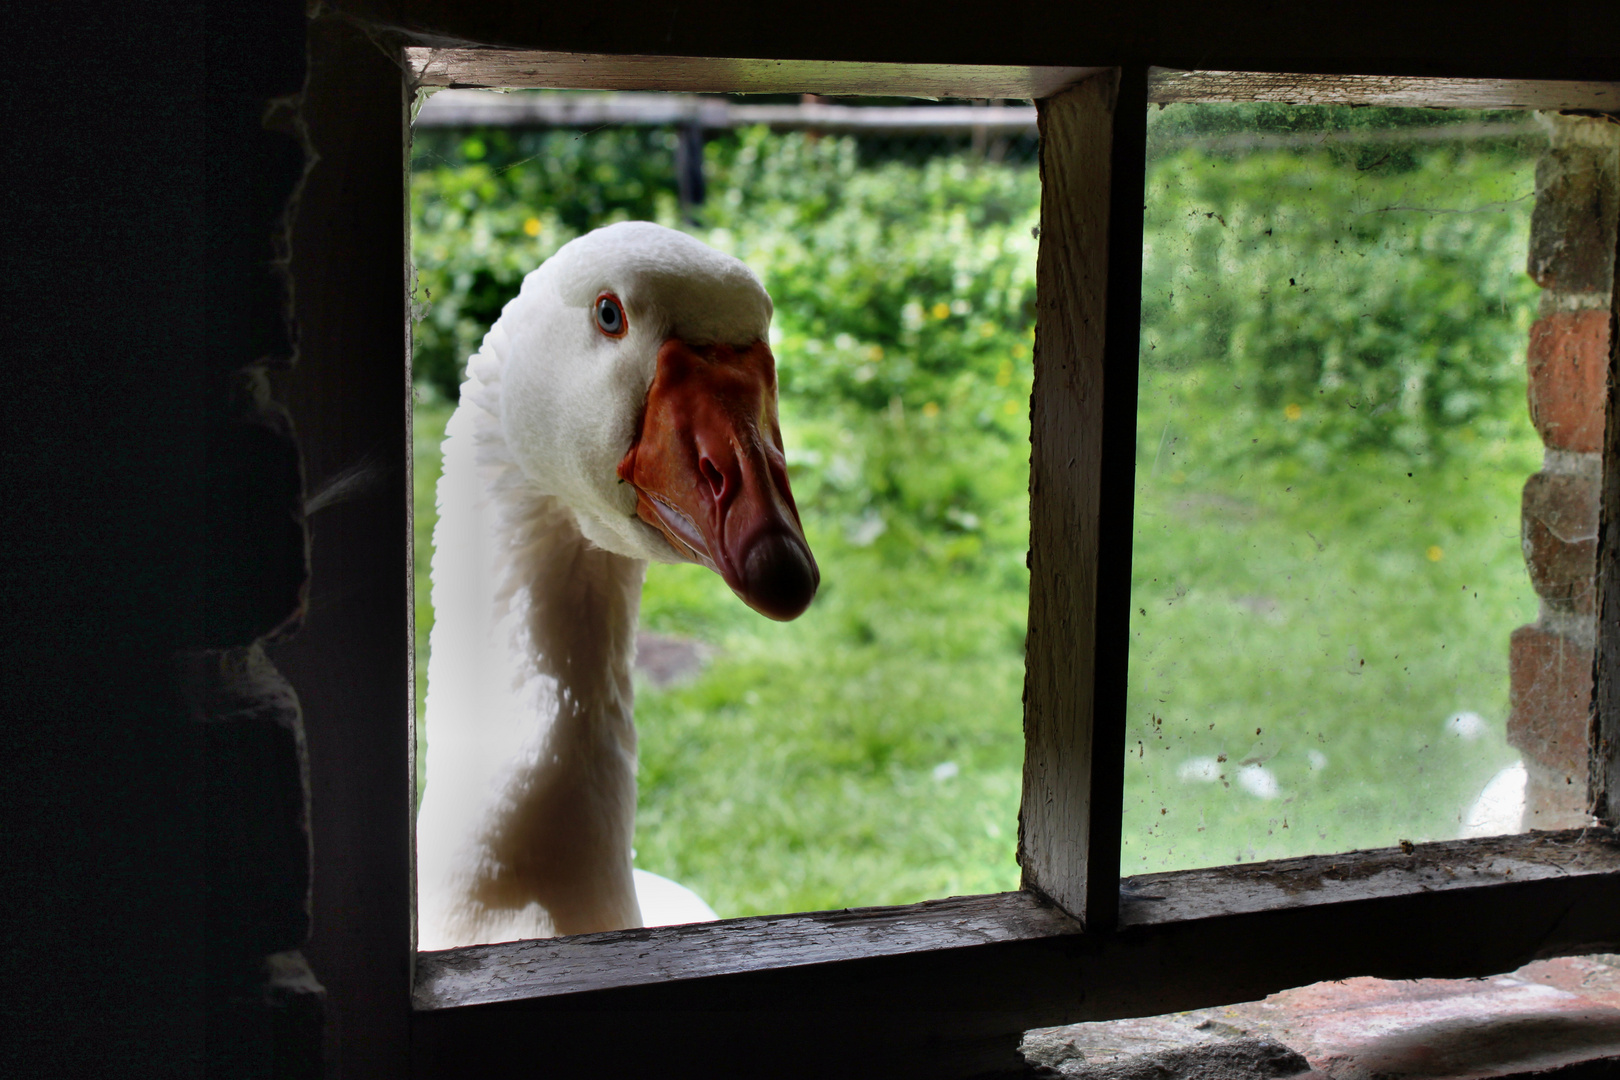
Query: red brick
{"type": "Point", "coordinates": [1550, 691]}
{"type": "Point", "coordinates": [1552, 1017]}
{"type": "Point", "coordinates": [1555, 799]}
{"type": "Point", "coordinates": [1594, 978]}
{"type": "Point", "coordinates": [1572, 227]}
{"type": "Point", "coordinates": [1456, 1029]}
{"type": "Point", "coordinates": [1559, 537]}
{"type": "Point", "coordinates": [1569, 362]}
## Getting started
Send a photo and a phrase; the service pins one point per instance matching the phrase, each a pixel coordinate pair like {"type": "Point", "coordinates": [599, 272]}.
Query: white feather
{"type": "Point", "coordinates": [529, 812]}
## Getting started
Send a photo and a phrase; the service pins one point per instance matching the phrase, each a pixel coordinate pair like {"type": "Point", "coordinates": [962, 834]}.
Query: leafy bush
{"type": "Point", "coordinates": [904, 297]}
{"type": "Point", "coordinates": [905, 307]}
{"type": "Point", "coordinates": [1375, 310]}
{"type": "Point", "coordinates": [491, 205]}
{"type": "Point", "coordinates": [1381, 303]}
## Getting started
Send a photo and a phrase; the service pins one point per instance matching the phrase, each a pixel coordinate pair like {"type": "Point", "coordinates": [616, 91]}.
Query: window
{"type": "Point", "coordinates": [870, 751]}
{"type": "Point", "coordinates": [1078, 942]}
{"type": "Point", "coordinates": [1332, 442]}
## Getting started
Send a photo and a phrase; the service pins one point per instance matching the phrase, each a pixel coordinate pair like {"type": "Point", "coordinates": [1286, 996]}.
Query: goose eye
{"type": "Point", "coordinates": [610, 315]}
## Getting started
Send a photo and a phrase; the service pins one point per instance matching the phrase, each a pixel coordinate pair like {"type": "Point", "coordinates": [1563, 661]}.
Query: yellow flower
{"type": "Point", "coordinates": [940, 310]}
{"type": "Point", "coordinates": [1434, 553]}
{"type": "Point", "coordinates": [1293, 412]}
{"type": "Point", "coordinates": [930, 410]}
{"type": "Point", "coordinates": [532, 226]}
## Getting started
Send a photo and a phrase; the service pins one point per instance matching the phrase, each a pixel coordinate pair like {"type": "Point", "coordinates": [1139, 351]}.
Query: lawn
{"type": "Point", "coordinates": [1300, 647]}
{"type": "Point", "coordinates": [868, 753]}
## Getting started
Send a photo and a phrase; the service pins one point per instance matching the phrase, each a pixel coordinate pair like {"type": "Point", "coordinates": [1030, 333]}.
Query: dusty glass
{"type": "Point", "coordinates": [870, 751]}
{"type": "Point", "coordinates": [1332, 439]}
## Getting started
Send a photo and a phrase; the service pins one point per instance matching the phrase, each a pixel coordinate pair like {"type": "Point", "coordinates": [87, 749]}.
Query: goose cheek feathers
{"type": "Point", "coordinates": [571, 406]}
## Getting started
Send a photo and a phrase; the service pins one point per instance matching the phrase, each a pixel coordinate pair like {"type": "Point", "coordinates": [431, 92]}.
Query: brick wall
{"type": "Point", "coordinates": [1572, 248]}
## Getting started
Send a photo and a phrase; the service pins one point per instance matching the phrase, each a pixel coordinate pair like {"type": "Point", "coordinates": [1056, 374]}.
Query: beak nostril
{"type": "Point", "coordinates": [717, 482]}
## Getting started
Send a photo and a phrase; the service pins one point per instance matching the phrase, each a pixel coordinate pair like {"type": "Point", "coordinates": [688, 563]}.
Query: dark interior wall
{"type": "Point", "coordinates": [154, 856]}
{"type": "Point", "coordinates": [1559, 39]}
{"type": "Point", "coordinates": [149, 510]}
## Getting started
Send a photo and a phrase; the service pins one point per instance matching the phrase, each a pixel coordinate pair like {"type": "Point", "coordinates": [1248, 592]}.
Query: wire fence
{"type": "Point", "coordinates": [986, 130]}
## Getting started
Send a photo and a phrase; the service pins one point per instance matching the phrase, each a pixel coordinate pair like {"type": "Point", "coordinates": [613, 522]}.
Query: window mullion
{"type": "Point", "coordinates": [1082, 470]}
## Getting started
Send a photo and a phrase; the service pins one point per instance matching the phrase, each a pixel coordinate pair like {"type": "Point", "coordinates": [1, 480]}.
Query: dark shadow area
{"type": "Point", "coordinates": [1467, 1047]}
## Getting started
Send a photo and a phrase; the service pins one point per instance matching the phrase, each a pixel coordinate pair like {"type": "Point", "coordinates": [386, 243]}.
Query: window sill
{"type": "Point", "coordinates": [1545, 1017]}
{"type": "Point", "coordinates": [1479, 906]}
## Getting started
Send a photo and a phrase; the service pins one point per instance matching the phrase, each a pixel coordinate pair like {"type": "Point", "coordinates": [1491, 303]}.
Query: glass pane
{"type": "Point", "coordinates": [869, 752]}
{"type": "Point", "coordinates": [1332, 439]}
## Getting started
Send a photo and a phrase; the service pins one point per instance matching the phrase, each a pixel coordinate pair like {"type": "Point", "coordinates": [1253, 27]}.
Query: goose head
{"type": "Point", "coordinates": [641, 391]}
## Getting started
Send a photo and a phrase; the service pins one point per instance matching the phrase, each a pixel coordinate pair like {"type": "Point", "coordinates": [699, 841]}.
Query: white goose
{"type": "Point", "coordinates": [621, 410]}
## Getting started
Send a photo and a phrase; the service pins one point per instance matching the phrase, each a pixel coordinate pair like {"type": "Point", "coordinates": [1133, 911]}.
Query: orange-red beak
{"type": "Point", "coordinates": [709, 473]}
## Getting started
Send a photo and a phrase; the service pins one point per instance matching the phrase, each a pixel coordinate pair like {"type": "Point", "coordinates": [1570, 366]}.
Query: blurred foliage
{"type": "Point", "coordinates": [904, 297]}
{"type": "Point", "coordinates": [1376, 134]}
{"type": "Point", "coordinates": [1332, 436]}
{"type": "Point", "coordinates": [489, 206]}
{"type": "Point", "coordinates": [1381, 304]}
{"type": "Point", "coordinates": [905, 301]}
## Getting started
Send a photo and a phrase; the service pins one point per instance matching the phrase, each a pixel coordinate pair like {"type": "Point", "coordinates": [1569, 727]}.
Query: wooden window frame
{"type": "Point", "coordinates": [1077, 942]}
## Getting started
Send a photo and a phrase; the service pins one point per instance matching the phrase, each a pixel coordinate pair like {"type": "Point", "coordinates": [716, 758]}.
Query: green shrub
{"type": "Point", "coordinates": [1372, 298]}
{"type": "Point", "coordinates": [490, 205]}
{"type": "Point", "coordinates": [904, 297]}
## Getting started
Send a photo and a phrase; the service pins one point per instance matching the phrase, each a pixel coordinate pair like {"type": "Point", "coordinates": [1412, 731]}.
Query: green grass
{"type": "Point", "coordinates": [798, 771]}
{"type": "Point", "coordinates": [1325, 624]}
{"type": "Point", "coordinates": [1275, 615]}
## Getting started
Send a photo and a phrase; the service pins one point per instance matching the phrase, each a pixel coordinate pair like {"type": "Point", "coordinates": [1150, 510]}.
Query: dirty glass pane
{"type": "Point", "coordinates": [870, 751]}
{"type": "Point", "coordinates": [1332, 440]}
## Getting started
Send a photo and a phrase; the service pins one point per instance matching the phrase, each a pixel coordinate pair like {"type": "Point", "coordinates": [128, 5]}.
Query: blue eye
{"type": "Point", "coordinates": [610, 315]}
